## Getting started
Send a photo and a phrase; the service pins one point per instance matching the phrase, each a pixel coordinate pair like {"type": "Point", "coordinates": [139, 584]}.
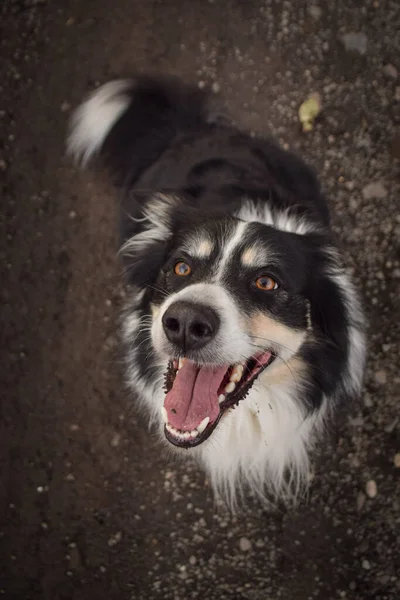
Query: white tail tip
{"type": "Point", "coordinates": [93, 119]}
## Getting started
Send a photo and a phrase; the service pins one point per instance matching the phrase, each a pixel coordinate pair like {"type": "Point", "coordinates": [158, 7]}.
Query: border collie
{"type": "Point", "coordinates": [242, 332]}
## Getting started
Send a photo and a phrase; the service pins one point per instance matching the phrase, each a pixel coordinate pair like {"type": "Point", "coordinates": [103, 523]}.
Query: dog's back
{"type": "Point", "coordinates": [159, 134]}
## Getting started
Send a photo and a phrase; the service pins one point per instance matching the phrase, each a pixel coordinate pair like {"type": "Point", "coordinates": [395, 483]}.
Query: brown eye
{"type": "Point", "coordinates": [266, 284]}
{"type": "Point", "coordinates": [182, 269]}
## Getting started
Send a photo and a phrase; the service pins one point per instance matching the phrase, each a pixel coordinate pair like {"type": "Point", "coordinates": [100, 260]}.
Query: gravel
{"type": "Point", "coordinates": [371, 489]}
{"type": "Point", "coordinates": [375, 189]}
{"type": "Point", "coordinates": [244, 544]}
{"type": "Point", "coordinates": [355, 41]}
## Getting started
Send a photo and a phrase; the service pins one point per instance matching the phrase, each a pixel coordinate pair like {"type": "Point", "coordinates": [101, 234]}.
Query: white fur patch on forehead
{"type": "Point", "coordinates": [229, 246]}
{"type": "Point", "coordinates": [260, 212]}
{"type": "Point", "coordinates": [255, 256]}
{"type": "Point", "coordinates": [198, 246]}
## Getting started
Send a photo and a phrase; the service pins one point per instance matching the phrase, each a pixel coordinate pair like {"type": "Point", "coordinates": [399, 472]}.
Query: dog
{"type": "Point", "coordinates": [242, 333]}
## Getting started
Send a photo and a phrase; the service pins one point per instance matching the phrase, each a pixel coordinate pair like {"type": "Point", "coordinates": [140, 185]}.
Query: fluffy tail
{"type": "Point", "coordinates": [129, 123]}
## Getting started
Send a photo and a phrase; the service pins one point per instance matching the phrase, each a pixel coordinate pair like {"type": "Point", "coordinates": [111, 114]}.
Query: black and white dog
{"type": "Point", "coordinates": [243, 332]}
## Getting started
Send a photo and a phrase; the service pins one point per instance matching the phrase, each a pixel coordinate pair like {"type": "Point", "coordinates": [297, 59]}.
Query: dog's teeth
{"type": "Point", "coordinates": [169, 428]}
{"type": "Point", "coordinates": [164, 414]}
{"type": "Point", "coordinates": [230, 387]}
{"type": "Point", "coordinates": [186, 435]}
{"type": "Point", "coordinates": [180, 362]}
{"type": "Point", "coordinates": [200, 428]}
{"type": "Point", "coordinates": [194, 433]}
{"type": "Point", "coordinates": [221, 398]}
{"type": "Point", "coordinates": [237, 373]}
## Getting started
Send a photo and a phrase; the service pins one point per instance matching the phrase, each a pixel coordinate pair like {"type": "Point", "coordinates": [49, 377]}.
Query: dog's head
{"type": "Point", "coordinates": [227, 304]}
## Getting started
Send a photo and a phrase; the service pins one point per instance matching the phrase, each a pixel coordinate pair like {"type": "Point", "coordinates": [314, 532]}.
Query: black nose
{"type": "Point", "coordinates": [190, 326]}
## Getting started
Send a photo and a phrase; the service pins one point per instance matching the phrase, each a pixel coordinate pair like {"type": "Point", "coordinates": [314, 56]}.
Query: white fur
{"type": "Point", "coordinates": [260, 212]}
{"type": "Point", "coordinates": [353, 378]}
{"type": "Point", "coordinates": [148, 394]}
{"type": "Point", "coordinates": [235, 239]}
{"type": "Point", "coordinates": [94, 119]}
{"type": "Point", "coordinates": [257, 441]}
{"type": "Point", "coordinates": [156, 221]}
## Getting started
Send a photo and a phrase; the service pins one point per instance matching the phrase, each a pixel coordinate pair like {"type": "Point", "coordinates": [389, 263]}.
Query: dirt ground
{"type": "Point", "coordinates": [89, 506]}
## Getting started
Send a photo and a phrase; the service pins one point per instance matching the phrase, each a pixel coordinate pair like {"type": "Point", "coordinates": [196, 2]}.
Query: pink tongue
{"type": "Point", "coordinates": [194, 396]}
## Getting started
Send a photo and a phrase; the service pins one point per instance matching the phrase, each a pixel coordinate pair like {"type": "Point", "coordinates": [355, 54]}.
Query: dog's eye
{"type": "Point", "coordinates": [182, 269]}
{"type": "Point", "coordinates": [266, 284]}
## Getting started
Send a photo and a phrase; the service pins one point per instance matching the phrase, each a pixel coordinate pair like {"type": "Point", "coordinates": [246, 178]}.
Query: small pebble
{"type": "Point", "coordinates": [115, 539]}
{"type": "Point", "coordinates": [368, 400]}
{"type": "Point", "coordinates": [115, 440]}
{"type": "Point", "coordinates": [244, 544]}
{"type": "Point", "coordinates": [381, 377]}
{"type": "Point", "coordinates": [375, 189]}
{"type": "Point", "coordinates": [371, 488]}
{"type": "Point", "coordinates": [396, 460]}
{"type": "Point", "coordinates": [366, 565]}
{"type": "Point", "coordinates": [355, 41]}
{"type": "Point", "coordinates": [391, 426]}
{"type": "Point", "coordinates": [390, 71]}
{"type": "Point", "coordinates": [314, 11]}
{"type": "Point", "coordinates": [360, 501]}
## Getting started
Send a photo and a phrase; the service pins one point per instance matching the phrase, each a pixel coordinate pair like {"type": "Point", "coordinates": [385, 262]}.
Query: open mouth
{"type": "Point", "coordinates": [198, 395]}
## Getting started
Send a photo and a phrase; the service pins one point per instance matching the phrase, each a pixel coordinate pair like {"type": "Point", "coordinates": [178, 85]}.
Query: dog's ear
{"type": "Point", "coordinates": [337, 322]}
{"type": "Point", "coordinates": [146, 229]}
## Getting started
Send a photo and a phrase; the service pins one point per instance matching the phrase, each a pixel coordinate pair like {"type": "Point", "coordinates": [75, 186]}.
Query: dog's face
{"type": "Point", "coordinates": [230, 301]}
{"type": "Point", "coordinates": [230, 306]}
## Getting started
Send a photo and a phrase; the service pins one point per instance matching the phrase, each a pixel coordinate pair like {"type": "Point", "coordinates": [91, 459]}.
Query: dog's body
{"type": "Point", "coordinates": [226, 242]}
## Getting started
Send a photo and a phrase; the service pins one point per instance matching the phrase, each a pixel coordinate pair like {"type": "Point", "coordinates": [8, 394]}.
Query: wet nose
{"type": "Point", "coordinates": [190, 326]}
